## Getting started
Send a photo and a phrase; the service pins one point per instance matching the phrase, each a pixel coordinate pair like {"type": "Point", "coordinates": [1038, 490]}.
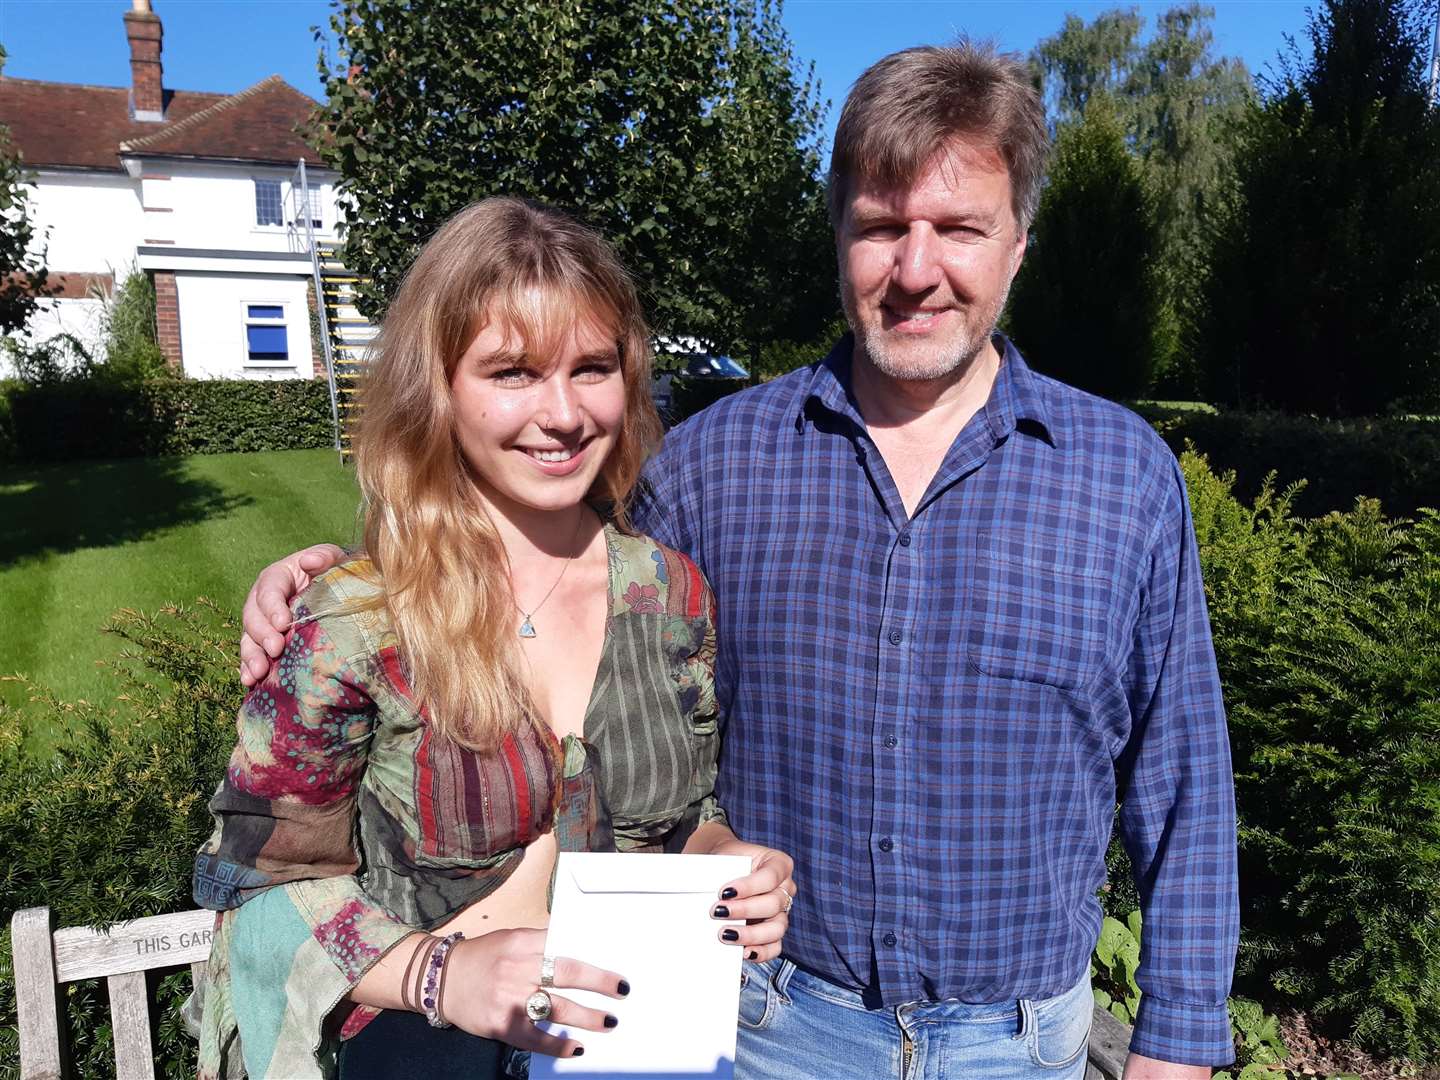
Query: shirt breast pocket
{"type": "Point", "coordinates": [1037, 614]}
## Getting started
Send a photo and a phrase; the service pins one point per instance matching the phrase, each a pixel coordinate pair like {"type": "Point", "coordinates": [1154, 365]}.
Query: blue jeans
{"type": "Point", "coordinates": [794, 1026]}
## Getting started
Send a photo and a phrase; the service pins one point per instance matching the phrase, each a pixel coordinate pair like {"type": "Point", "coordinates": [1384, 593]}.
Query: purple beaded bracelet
{"type": "Point", "coordinates": [433, 970]}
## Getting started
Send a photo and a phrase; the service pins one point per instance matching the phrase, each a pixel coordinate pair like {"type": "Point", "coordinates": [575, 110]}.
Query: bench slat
{"type": "Point", "coordinates": [1109, 1044]}
{"type": "Point", "coordinates": [130, 1018]}
{"type": "Point", "coordinates": [41, 1045]}
{"type": "Point", "coordinates": [138, 945]}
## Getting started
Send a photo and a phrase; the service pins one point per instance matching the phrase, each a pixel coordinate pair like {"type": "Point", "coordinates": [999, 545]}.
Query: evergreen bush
{"type": "Point", "coordinates": [106, 829]}
{"type": "Point", "coordinates": [1328, 638]}
{"type": "Point", "coordinates": [1088, 305]}
{"type": "Point", "coordinates": [1393, 459]}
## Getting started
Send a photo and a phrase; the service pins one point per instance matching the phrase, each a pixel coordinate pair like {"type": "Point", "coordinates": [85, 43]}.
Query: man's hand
{"type": "Point", "coordinates": [1140, 1067]}
{"type": "Point", "coordinates": [267, 608]}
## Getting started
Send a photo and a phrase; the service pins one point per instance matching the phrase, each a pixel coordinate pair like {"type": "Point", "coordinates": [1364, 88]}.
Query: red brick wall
{"type": "Point", "coordinates": [167, 316]}
{"type": "Point", "coordinates": [145, 34]}
{"type": "Point", "coordinates": [317, 327]}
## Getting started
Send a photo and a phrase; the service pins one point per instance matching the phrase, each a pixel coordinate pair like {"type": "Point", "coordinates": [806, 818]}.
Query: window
{"type": "Point", "coordinates": [266, 341]}
{"type": "Point", "coordinates": [309, 205]}
{"type": "Point", "coordinates": [267, 203]}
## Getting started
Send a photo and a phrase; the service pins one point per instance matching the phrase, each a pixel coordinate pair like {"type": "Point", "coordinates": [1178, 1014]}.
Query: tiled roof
{"type": "Point", "coordinates": [89, 126]}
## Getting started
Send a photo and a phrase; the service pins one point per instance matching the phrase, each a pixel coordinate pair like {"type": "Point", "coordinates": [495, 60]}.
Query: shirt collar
{"type": "Point", "coordinates": [1016, 402]}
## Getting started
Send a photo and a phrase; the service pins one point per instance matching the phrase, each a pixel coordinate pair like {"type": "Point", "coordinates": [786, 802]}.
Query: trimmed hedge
{"type": "Point", "coordinates": [94, 418]}
{"type": "Point", "coordinates": [1393, 459]}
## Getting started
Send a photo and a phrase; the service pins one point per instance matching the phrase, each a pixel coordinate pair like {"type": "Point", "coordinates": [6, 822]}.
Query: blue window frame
{"type": "Point", "coordinates": [267, 203]}
{"type": "Point", "coordinates": [266, 339]}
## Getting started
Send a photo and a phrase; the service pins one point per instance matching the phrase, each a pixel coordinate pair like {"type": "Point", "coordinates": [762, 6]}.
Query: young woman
{"type": "Point", "coordinates": [507, 672]}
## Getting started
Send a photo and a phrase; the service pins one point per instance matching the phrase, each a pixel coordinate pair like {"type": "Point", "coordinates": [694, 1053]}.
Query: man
{"type": "Point", "coordinates": [960, 614]}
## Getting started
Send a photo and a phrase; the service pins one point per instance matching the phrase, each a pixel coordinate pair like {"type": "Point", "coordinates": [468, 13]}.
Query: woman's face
{"type": "Point", "coordinates": [536, 431]}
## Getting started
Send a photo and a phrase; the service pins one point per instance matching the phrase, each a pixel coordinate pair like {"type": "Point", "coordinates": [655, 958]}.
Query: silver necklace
{"type": "Point", "coordinates": [527, 627]}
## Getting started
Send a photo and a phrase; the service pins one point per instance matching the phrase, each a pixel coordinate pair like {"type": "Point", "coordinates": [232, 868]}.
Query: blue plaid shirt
{"type": "Point", "coordinates": [936, 714]}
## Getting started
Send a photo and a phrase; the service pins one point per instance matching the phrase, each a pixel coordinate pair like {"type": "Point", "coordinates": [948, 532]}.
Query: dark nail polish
{"type": "Point", "coordinates": [730, 935]}
{"type": "Point", "coordinates": [624, 988]}
{"type": "Point", "coordinates": [721, 911]}
{"type": "Point", "coordinates": [578, 1051]}
{"type": "Point", "coordinates": [728, 894]}
{"type": "Point", "coordinates": [611, 1021]}
{"type": "Point", "coordinates": [754, 955]}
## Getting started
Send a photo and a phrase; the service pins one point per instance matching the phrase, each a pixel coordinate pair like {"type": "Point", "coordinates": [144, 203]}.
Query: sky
{"type": "Point", "coordinates": [227, 45]}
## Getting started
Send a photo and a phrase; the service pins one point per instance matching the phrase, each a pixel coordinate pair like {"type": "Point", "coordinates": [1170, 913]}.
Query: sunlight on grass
{"type": "Point", "coordinates": [81, 540]}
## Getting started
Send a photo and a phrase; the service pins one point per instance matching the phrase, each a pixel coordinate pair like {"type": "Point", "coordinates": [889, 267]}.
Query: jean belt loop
{"type": "Point", "coordinates": [1024, 1019]}
{"type": "Point", "coordinates": [781, 980]}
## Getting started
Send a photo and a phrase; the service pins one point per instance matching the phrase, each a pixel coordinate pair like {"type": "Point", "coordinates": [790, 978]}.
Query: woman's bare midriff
{"type": "Point", "coordinates": [519, 902]}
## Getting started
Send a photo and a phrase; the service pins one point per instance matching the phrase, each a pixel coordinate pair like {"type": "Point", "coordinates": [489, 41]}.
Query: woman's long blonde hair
{"type": "Point", "coordinates": [441, 566]}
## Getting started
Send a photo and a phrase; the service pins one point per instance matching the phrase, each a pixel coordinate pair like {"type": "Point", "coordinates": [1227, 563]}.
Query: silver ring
{"type": "Point", "coordinates": [547, 971]}
{"type": "Point", "coordinates": [789, 899]}
{"type": "Point", "coordinates": [538, 1006]}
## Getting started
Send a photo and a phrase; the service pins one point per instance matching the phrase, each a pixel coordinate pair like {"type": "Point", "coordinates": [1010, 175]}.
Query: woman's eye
{"type": "Point", "coordinates": [510, 375]}
{"type": "Point", "coordinates": [595, 372]}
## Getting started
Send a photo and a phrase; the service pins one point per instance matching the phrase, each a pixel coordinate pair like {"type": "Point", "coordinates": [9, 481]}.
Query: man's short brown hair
{"type": "Point", "coordinates": [907, 106]}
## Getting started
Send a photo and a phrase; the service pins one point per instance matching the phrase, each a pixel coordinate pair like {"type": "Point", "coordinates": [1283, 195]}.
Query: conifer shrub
{"type": "Point", "coordinates": [1395, 459]}
{"type": "Point", "coordinates": [1327, 633]}
{"type": "Point", "coordinates": [106, 828]}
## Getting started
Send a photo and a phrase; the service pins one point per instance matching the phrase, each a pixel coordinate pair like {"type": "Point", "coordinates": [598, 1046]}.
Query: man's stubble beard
{"type": "Point", "coordinates": [955, 355]}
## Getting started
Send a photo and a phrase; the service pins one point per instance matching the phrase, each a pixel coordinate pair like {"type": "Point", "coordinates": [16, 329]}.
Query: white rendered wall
{"type": "Point", "coordinates": [212, 324]}
{"type": "Point", "coordinates": [82, 318]}
{"type": "Point", "coordinates": [213, 206]}
{"type": "Point", "coordinates": [94, 221]}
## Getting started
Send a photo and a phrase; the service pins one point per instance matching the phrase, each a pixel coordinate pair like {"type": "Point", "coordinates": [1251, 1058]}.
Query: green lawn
{"type": "Point", "coordinates": [80, 540]}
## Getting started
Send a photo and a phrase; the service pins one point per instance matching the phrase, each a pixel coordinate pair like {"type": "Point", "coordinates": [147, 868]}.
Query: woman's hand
{"type": "Point", "coordinates": [762, 898]}
{"type": "Point", "coordinates": [488, 978]}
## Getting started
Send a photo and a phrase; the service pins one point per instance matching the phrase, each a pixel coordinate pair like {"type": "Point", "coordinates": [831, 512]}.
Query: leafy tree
{"type": "Point", "coordinates": [22, 269]}
{"type": "Point", "coordinates": [1086, 306]}
{"type": "Point", "coordinates": [1325, 291]}
{"type": "Point", "coordinates": [1177, 105]}
{"type": "Point", "coordinates": [678, 127]}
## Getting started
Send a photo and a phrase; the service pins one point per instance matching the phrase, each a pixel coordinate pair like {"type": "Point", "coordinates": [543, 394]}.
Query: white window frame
{"type": "Point", "coordinates": [313, 202]}
{"type": "Point", "coordinates": [255, 221]}
{"type": "Point", "coordinates": [246, 321]}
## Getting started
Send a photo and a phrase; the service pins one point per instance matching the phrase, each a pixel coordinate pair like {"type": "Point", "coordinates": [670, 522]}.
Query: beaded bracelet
{"type": "Point", "coordinates": [433, 970]}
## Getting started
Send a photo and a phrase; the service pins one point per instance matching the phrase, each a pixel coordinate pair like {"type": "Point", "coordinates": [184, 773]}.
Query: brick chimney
{"type": "Point", "coordinates": [147, 95]}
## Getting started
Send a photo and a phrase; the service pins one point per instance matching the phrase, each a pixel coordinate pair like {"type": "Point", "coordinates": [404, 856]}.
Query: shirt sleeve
{"type": "Point", "coordinates": [1177, 816]}
{"type": "Point", "coordinates": [662, 505]}
{"type": "Point", "coordinates": [282, 859]}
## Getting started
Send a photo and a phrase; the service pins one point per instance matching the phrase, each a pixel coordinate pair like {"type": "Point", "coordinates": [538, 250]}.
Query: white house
{"type": "Point", "coordinates": [198, 190]}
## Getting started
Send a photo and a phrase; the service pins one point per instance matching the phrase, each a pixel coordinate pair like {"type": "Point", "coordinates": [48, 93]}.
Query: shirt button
{"type": "Point", "coordinates": [890, 742]}
{"type": "Point", "coordinates": [889, 939]}
{"type": "Point", "coordinates": [896, 637]}
{"type": "Point", "coordinates": [886, 843]}
{"type": "Point", "coordinates": [905, 539]}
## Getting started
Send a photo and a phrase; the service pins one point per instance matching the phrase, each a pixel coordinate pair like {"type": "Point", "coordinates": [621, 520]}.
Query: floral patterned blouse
{"type": "Point", "coordinates": [343, 823]}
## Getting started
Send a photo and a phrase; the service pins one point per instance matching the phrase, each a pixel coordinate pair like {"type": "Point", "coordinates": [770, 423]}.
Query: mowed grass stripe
{"type": "Point", "coordinates": [84, 539]}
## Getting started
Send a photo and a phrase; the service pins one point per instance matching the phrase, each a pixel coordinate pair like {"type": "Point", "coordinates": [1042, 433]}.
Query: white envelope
{"type": "Point", "coordinates": [647, 917]}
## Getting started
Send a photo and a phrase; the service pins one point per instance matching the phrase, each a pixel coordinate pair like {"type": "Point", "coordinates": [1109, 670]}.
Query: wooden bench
{"type": "Point", "coordinates": [121, 954]}
{"type": "Point", "coordinates": [46, 959]}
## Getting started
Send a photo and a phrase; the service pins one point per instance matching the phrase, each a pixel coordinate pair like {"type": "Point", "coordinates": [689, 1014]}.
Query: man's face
{"type": "Point", "coordinates": [925, 269]}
